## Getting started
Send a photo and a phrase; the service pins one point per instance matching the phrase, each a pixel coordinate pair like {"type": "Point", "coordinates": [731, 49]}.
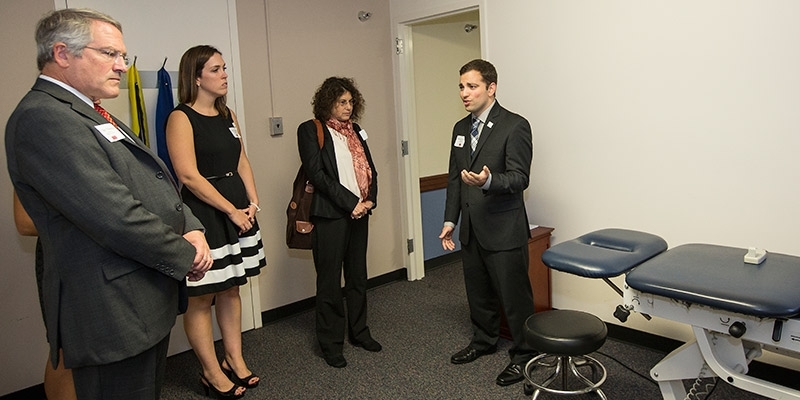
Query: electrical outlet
{"type": "Point", "coordinates": [276, 126]}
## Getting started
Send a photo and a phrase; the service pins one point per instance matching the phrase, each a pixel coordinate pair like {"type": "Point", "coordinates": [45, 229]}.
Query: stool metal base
{"type": "Point", "coordinates": [565, 366]}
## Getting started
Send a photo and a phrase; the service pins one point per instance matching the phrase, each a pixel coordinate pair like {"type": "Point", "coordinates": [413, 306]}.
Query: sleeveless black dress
{"type": "Point", "coordinates": [217, 153]}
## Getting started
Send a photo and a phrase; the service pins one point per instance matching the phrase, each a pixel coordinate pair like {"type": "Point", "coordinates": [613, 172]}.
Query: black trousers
{"type": "Point", "coordinates": [496, 279]}
{"type": "Point", "coordinates": [136, 378]}
{"type": "Point", "coordinates": [340, 245]}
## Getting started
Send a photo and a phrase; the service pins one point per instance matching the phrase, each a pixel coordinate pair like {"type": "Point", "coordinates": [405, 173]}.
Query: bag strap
{"type": "Point", "coordinates": [320, 137]}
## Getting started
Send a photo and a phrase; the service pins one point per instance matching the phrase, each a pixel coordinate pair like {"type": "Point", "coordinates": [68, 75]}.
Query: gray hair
{"type": "Point", "coordinates": [71, 26]}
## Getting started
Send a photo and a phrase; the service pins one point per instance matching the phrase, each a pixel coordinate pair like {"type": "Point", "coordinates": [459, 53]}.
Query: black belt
{"type": "Point", "coordinates": [215, 177]}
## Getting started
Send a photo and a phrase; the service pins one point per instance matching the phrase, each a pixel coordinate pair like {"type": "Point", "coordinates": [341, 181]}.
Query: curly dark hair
{"type": "Point", "coordinates": [329, 92]}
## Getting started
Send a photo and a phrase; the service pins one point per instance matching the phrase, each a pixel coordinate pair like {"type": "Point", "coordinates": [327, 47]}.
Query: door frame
{"type": "Point", "coordinates": [406, 121]}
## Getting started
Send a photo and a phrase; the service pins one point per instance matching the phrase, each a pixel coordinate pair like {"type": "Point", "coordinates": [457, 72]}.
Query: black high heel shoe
{"type": "Point", "coordinates": [239, 381]}
{"type": "Point", "coordinates": [211, 391]}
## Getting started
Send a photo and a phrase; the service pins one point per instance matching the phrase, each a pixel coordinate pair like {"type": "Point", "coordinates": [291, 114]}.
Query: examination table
{"type": "Point", "coordinates": [736, 309]}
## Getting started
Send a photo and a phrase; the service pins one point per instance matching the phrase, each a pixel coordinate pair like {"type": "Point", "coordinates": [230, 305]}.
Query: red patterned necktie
{"type": "Point", "coordinates": [105, 114]}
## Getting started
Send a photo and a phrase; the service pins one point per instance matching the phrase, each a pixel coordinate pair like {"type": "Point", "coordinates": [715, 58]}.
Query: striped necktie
{"type": "Point", "coordinates": [474, 134]}
{"type": "Point", "coordinates": [105, 114]}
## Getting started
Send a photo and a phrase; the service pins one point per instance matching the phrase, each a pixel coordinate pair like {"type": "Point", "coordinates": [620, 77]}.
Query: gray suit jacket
{"type": "Point", "coordinates": [496, 216]}
{"type": "Point", "coordinates": [110, 220]}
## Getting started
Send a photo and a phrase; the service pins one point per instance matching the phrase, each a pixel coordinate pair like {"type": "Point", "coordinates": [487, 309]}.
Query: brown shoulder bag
{"type": "Point", "coordinates": [298, 213]}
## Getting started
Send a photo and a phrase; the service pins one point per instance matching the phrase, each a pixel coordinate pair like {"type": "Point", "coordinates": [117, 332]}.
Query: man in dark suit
{"type": "Point", "coordinates": [490, 161]}
{"type": "Point", "coordinates": [118, 241]}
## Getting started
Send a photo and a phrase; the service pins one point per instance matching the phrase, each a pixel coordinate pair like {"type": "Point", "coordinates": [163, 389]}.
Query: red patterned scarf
{"type": "Point", "coordinates": [360, 163]}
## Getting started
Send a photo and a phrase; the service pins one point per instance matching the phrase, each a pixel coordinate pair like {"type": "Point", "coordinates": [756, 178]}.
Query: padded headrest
{"type": "Point", "coordinates": [604, 253]}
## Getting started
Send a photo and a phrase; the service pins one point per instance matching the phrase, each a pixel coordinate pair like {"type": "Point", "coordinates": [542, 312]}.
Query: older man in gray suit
{"type": "Point", "coordinates": [118, 240]}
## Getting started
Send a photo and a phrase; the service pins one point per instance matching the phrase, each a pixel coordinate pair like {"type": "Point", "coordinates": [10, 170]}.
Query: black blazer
{"type": "Point", "coordinates": [331, 199]}
{"type": "Point", "coordinates": [496, 216]}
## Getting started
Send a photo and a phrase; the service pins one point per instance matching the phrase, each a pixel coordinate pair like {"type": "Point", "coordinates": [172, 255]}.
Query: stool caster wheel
{"type": "Point", "coordinates": [527, 388]}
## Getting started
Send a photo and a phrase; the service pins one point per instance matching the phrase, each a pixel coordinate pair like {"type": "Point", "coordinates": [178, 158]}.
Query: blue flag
{"type": "Point", "coordinates": [163, 108]}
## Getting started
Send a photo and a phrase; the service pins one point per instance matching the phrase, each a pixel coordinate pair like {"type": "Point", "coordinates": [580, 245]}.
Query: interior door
{"type": "Point", "coordinates": [433, 50]}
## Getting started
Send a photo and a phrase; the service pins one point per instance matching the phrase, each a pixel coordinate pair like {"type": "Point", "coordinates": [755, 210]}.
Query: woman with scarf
{"type": "Point", "coordinates": [345, 193]}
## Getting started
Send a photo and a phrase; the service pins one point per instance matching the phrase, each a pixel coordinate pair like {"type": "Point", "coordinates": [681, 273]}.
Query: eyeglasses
{"type": "Point", "coordinates": [112, 55]}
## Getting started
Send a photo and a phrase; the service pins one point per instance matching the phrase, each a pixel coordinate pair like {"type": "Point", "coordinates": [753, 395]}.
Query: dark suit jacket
{"type": "Point", "coordinates": [496, 216]}
{"type": "Point", "coordinates": [331, 199]}
{"type": "Point", "coordinates": [111, 223]}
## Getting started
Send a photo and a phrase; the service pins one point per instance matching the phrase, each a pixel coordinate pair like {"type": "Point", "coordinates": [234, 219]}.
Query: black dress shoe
{"type": "Point", "coordinates": [470, 354]}
{"type": "Point", "coordinates": [370, 345]}
{"type": "Point", "coordinates": [336, 361]}
{"type": "Point", "coordinates": [511, 375]}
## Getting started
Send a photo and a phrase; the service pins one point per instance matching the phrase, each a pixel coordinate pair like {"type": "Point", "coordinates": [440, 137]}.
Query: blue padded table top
{"type": "Point", "coordinates": [605, 253]}
{"type": "Point", "coordinates": [717, 276]}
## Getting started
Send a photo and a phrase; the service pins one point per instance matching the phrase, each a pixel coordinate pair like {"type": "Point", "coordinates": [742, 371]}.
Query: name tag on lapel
{"type": "Point", "coordinates": [109, 132]}
{"type": "Point", "coordinates": [363, 134]}
{"type": "Point", "coordinates": [459, 141]}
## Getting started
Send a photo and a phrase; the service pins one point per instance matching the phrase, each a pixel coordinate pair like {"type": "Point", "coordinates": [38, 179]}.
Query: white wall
{"type": "Point", "coordinates": [679, 118]}
{"type": "Point", "coordinates": [170, 30]}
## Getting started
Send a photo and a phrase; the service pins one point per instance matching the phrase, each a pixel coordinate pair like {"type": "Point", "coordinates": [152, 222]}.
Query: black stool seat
{"type": "Point", "coordinates": [564, 338]}
{"type": "Point", "coordinates": [565, 332]}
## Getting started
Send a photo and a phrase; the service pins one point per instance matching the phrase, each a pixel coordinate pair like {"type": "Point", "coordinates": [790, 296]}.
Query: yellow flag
{"type": "Point", "coordinates": [138, 112]}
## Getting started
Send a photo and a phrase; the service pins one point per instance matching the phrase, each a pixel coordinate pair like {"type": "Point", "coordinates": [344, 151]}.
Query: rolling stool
{"type": "Point", "coordinates": [564, 337]}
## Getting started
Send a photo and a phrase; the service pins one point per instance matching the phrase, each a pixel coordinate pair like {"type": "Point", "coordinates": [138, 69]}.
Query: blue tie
{"type": "Point", "coordinates": [474, 134]}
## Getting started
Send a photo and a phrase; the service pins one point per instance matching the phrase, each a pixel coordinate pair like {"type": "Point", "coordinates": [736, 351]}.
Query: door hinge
{"type": "Point", "coordinates": [410, 244]}
{"type": "Point", "coordinates": [398, 45]}
{"type": "Point", "coordinates": [404, 147]}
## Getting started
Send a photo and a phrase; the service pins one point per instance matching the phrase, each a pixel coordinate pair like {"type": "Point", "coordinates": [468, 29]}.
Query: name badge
{"type": "Point", "coordinates": [459, 141]}
{"type": "Point", "coordinates": [234, 132]}
{"type": "Point", "coordinates": [109, 132]}
{"type": "Point", "coordinates": [363, 134]}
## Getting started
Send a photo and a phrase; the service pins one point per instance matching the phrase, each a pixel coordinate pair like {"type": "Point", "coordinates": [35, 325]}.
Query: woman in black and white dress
{"type": "Point", "coordinates": [205, 147]}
